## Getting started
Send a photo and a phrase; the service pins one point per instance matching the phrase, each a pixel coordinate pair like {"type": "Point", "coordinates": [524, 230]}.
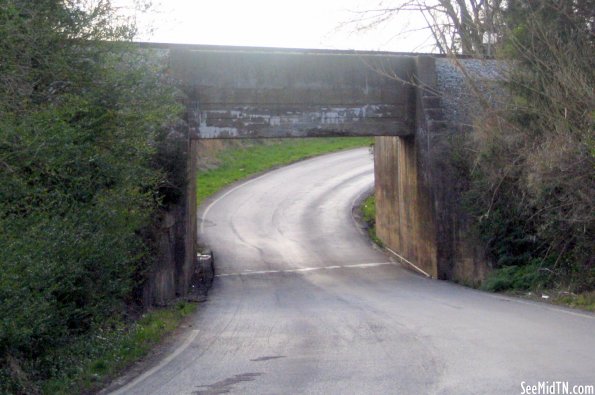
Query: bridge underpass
{"type": "Point", "coordinates": [238, 92]}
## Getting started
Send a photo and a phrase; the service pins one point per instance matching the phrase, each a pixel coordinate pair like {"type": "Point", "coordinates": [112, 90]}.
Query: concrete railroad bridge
{"type": "Point", "coordinates": [239, 92]}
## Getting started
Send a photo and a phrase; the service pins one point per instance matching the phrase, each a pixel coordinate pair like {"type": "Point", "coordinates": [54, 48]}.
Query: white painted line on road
{"type": "Point", "coordinates": [409, 262]}
{"type": "Point", "coordinates": [264, 271]}
{"type": "Point", "coordinates": [306, 269]}
{"type": "Point", "coordinates": [547, 306]}
{"type": "Point", "coordinates": [362, 265]}
{"type": "Point", "coordinates": [179, 350]}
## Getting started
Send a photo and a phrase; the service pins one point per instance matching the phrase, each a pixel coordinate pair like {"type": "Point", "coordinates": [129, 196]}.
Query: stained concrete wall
{"type": "Point", "coordinates": [404, 220]}
{"type": "Point", "coordinates": [419, 216]}
{"type": "Point", "coordinates": [176, 263]}
{"type": "Point", "coordinates": [408, 221]}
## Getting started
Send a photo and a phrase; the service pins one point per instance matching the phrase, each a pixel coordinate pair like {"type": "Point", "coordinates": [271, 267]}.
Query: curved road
{"type": "Point", "coordinates": [302, 304]}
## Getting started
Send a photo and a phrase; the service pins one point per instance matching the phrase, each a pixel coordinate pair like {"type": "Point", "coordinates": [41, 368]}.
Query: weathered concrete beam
{"type": "Point", "coordinates": [252, 93]}
{"type": "Point", "coordinates": [307, 121]}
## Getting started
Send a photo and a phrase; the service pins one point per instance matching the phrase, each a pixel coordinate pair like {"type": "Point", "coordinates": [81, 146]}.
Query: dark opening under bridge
{"type": "Point", "coordinates": [239, 92]}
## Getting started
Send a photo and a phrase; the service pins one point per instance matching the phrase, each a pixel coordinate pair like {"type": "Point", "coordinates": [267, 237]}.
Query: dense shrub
{"type": "Point", "coordinates": [533, 178]}
{"type": "Point", "coordinates": [530, 276]}
{"type": "Point", "coordinates": [80, 114]}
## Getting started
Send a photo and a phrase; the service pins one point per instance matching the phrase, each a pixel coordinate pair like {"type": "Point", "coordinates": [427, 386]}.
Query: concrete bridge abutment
{"type": "Point", "coordinates": [417, 189]}
{"type": "Point", "coordinates": [407, 215]}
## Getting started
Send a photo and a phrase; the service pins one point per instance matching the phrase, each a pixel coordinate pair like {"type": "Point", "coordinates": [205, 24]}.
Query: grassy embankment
{"type": "Point", "coordinates": [224, 162]}
{"type": "Point", "coordinates": [516, 283]}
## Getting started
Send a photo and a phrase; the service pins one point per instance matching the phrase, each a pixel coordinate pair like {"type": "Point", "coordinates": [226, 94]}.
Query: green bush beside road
{"type": "Point", "coordinates": [83, 121]}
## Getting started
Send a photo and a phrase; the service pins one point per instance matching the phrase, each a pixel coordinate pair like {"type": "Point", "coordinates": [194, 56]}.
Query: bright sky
{"type": "Point", "coordinates": [274, 23]}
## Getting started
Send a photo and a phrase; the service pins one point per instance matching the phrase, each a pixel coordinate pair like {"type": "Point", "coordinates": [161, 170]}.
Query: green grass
{"type": "Point", "coordinates": [368, 209]}
{"type": "Point", "coordinates": [236, 163]}
{"type": "Point", "coordinates": [89, 364]}
{"type": "Point", "coordinates": [584, 301]}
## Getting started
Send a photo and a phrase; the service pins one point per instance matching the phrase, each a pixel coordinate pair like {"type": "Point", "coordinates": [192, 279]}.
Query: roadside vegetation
{"type": "Point", "coordinates": [224, 162]}
{"type": "Point", "coordinates": [524, 281]}
{"type": "Point", "coordinates": [88, 363]}
{"type": "Point", "coordinates": [368, 210]}
{"type": "Point", "coordinates": [86, 166]}
{"type": "Point", "coordinates": [527, 170]}
{"type": "Point", "coordinates": [532, 178]}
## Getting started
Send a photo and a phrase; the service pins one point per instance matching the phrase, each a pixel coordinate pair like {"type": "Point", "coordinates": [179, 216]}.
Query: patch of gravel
{"type": "Point", "coordinates": [460, 102]}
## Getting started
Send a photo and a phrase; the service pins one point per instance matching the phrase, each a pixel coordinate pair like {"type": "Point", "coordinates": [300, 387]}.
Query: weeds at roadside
{"type": "Point", "coordinates": [91, 362]}
{"type": "Point", "coordinates": [368, 210]}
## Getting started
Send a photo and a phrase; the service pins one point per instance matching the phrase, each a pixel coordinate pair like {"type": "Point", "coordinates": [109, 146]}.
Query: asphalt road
{"type": "Point", "coordinates": [302, 304]}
